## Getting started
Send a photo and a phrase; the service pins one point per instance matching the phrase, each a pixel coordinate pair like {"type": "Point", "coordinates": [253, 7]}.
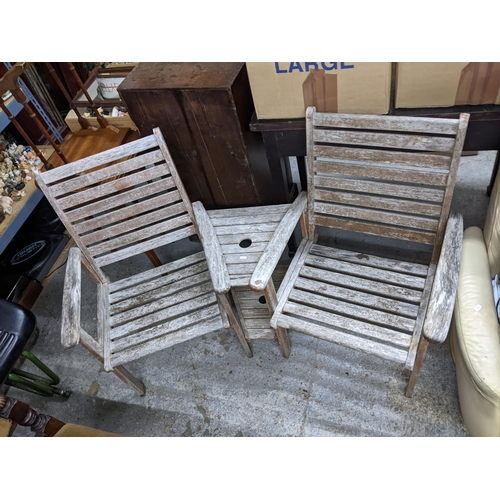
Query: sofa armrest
{"type": "Point", "coordinates": [475, 317]}
{"type": "Point", "coordinates": [71, 303]}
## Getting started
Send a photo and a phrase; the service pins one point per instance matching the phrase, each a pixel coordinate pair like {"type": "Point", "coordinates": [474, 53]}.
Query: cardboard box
{"type": "Point", "coordinates": [428, 85]}
{"type": "Point", "coordinates": [284, 90]}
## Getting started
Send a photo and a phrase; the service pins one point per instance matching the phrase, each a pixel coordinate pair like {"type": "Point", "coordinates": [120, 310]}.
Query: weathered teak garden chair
{"type": "Point", "coordinates": [118, 204]}
{"type": "Point", "coordinates": [249, 236]}
{"type": "Point", "coordinates": [386, 176]}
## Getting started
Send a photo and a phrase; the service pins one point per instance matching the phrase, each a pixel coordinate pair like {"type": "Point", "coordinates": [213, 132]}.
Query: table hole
{"type": "Point", "coordinates": [262, 299]}
{"type": "Point", "coordinates": [245, 243]}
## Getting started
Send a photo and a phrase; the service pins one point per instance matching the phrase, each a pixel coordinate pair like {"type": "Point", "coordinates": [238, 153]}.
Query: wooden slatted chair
{"type": "Point", "coordinates": [115, 208]}
{"type": "Point", "coordinates": [384, 176]}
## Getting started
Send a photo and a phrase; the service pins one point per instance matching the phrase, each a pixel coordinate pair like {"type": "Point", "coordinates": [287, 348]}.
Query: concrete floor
{"type": "Point", "coordinates": [208, 387]}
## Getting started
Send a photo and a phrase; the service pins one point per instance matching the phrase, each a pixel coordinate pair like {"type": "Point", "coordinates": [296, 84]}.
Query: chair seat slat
{"type": "Point", "coordinates": [167, 335]}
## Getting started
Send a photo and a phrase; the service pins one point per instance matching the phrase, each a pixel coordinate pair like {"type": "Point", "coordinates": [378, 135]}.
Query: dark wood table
{"type": "Point", "coordinates": [284, 138]}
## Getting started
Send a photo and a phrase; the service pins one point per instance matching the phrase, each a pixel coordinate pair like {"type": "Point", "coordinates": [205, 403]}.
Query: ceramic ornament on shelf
{"type": "Point", "coordinates": [16, 164]}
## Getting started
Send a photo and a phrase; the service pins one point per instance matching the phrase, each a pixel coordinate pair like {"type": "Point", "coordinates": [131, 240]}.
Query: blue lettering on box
{"type": "Point", "coordinates": [294, 66]}
{"type": "Point", "coordinates": [313, 64]}
{"type": "Point", "coordinates": [333, 66]}
{"type": "Point", "coordinates": [278, 70]}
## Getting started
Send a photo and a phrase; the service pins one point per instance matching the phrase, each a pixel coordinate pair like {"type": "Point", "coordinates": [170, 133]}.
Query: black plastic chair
{"type": "Point", "coordinates": [17, 325]}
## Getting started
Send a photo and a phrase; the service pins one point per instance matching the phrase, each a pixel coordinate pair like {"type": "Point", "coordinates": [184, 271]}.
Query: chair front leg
{"type": "Point", "coordinates": [281, 333]}
{"type": "Point", "coordinates": [224, 300]}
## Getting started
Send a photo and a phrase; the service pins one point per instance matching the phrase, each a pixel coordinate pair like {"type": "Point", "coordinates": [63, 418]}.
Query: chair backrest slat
{"type": "Point", "coordinates": [382, 175]}
{"type": "Point", "coordinates": [122, 202]}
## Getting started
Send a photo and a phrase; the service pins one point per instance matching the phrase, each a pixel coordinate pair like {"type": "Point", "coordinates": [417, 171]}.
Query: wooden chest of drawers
{"type": "Point", "coordinates": [204, 111]}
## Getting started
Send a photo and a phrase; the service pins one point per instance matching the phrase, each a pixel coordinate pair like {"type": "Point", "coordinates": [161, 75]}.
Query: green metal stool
{"type": "Point", "coordinates": [17, 324]}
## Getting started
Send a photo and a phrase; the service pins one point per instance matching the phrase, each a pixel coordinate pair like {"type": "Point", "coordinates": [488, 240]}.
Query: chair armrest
{"type": "Point", "coordinates": [70, 318]}
{"type": "Point", "coordinates": [271, 255]}
{"type": "Point", "coordinates": [444, 288]}
{"type": "Point", "coordinates": [211, 246]}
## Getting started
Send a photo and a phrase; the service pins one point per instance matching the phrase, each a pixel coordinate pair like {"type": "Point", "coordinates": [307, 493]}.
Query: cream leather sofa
{"type": "Point", "coordinates": [475, 333]}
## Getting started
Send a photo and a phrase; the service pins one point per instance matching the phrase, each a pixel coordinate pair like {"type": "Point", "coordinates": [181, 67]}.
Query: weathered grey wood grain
{"type": "Point", "coordinates": [281, 333]}
{"type": "Point", "coordinates": [246, 212]}
{"type": "Point", "coordinates": [236, 249]}
{"type": "Point", "coordinates": [277, 244]}
{"type": "Point", "coordinates": [146, 276]}
{"type": "Point", "coordinates": [157, 307]}
{"type": "Point", "coordinates": [139, 221]}
{"type": "Point", "coordinates": [97, 176]}
{"type": "Point", "coordinates": [242, 229]}
{"type": "Point", "coordinates": [165, 314]}
{"type": "Point", "coordinates": [70, 314]}
{"type": "Point", "coordinates": [175, 328]}
{"type": "Point", "coordinates": [175, 285]}
{"type": "Point", "coordinates": [115, 211]}
{"type": "Point", "coordinates": [212, 247]}
{"type": "Point", "coordinates": [370, 260]}
{"type": "Point", "coordinates": [97, 160]}
{"type": "Point", "coordinates": [165, 341]}
{"type": "Point", "coordinates": [352, 312]}
{"type": "Point", "coordinates": [346, 297]}
{"type": "Point", "coordinates": [289, 279]}
{"type": "Point", "coordinates": [310, 112]}
{"type": "Point", "coordinates": [173, 170]}
{"type": "Point", "coordinates": [417, 332]}
{"type": "Point", "coordinates": [359, 283]}
{"type": "Point", "coordinates": [90, 264]}
{"type": "Point", "coordinates": [339, 337]}
{"type": "Point", "coordinates": [444, 289]}
{"type": "Point", "coordinates": [364, 271]}
{"type": "Point", "coordinates": [387, 140]}
{"type": "Point", "coordinates": [143, 234]}
{"type": "Point", "coordinates": [358, 297]}
{"type": "Point", "coordinates": [240, 269]}
{"type": "Point", "coordinates": [376, 229]}
{"type": "Point", "coordinates": [379, 216]}
{"type": "Point", "coordinates": [224, 300]}
{"type": "Point", "coordinates": [265, 218]}
{"type": "Point", "coordinates": [122, 183]}
{"type": "Point", "coordinates": [88, 343]}
{"type": "Point", "coordinates": [103, 324]}
{"type": "Point", "coordinates": [380, 156]}
{"type": "Point", "coordinates": [462, 131]}
{"type": "Point", "coordinates": [448, 126]}
{"type": "Point", "coordinates": [247, 258]}
{"type": "Point", "coordinates": [383, 203]}
{"type": "Point", "coordinates": [429, 177]}
{"type": "Point", "coordinates": [236, 238]}
{"type": "Point", "coordinates": [143, 247]}
{"type": "Point", "coordinates": [380, 188]}
{"type": "Point", "coordinates": [170, 200]}
{"type": "Point", "coordinates": [119, 200]}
